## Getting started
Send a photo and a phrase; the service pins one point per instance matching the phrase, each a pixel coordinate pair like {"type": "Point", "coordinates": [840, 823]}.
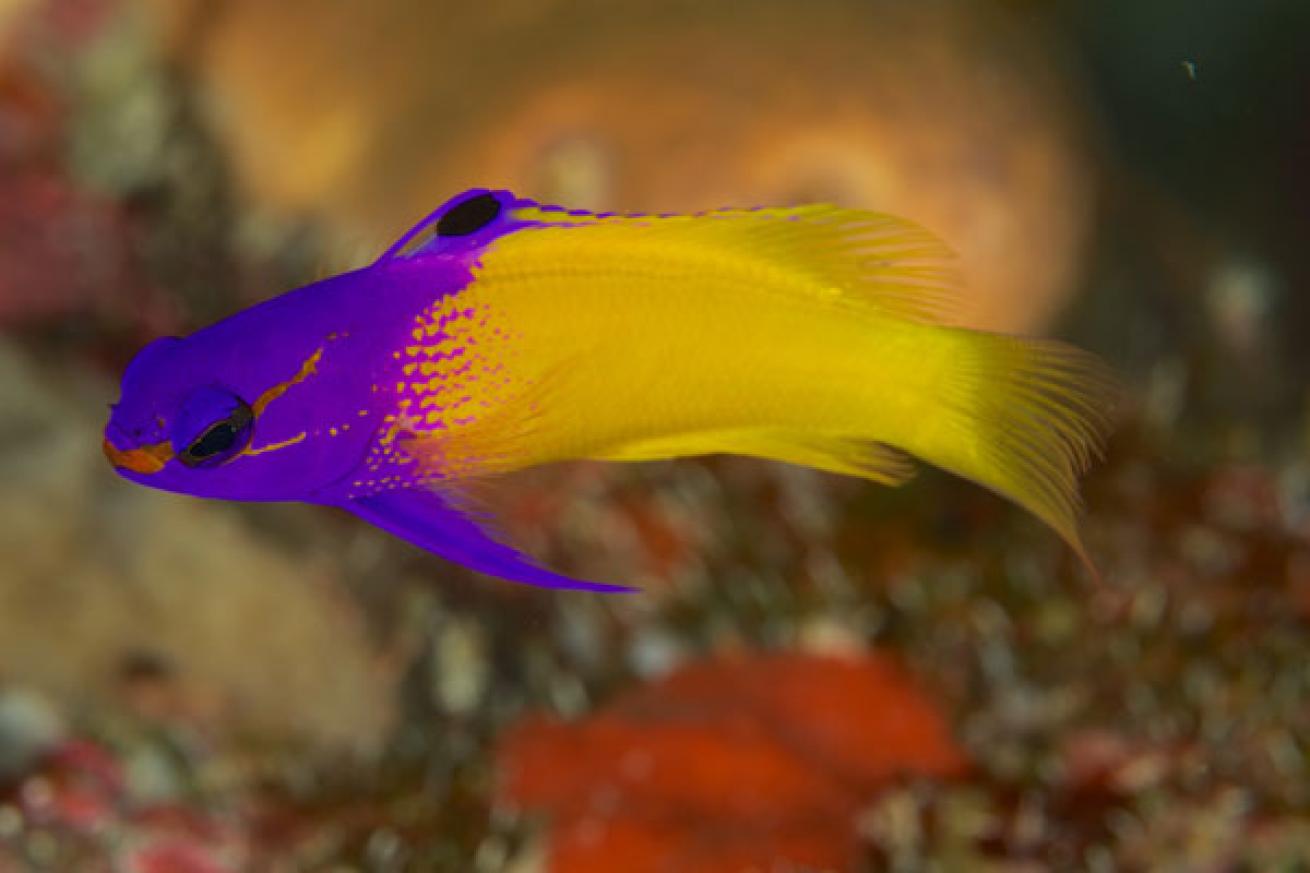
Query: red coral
{"type": "Point", "coordinates": [728, 764]}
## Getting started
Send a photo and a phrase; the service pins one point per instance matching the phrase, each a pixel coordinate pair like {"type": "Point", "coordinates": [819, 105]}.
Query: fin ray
{"type": "Point", "coordinates": [1037, 413]}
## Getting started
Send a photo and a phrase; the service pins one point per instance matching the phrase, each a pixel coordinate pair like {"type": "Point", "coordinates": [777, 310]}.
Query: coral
{"type": "Point", "coordinates": [731, 764]}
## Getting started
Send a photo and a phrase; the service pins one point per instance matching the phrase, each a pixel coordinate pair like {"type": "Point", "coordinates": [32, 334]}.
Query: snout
{"type": "Point", "coordinates": [143, 459]}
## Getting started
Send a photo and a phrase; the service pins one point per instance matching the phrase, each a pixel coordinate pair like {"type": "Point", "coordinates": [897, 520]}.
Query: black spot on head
{"type": "Point", "coordinates": [470, 216]}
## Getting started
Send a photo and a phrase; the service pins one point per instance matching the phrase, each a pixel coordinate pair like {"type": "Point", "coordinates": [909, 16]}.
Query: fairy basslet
{"type": "Point", "coordinates": [500, 334]}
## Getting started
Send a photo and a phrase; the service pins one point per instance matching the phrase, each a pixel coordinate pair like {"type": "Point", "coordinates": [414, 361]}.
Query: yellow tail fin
{"type": "Point", "coordinates": [1025, 418]}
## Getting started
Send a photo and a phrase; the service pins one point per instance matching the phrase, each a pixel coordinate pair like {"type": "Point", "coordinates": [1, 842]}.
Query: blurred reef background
{"type": "Point", "coordinates": [821, 674]}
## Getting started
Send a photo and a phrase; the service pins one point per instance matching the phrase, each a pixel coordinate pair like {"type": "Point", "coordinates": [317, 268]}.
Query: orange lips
{"type": "Point", "coordinates": [146, 459]}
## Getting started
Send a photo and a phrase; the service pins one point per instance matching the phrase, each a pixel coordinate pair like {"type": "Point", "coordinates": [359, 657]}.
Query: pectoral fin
{"type": "Point", "coordinates": [429, 521]}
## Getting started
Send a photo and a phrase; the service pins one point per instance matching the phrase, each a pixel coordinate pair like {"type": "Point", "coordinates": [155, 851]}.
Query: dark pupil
{"type": "Point", "coordinates": [218, 438]}
{"type": "Point", "coordinates": [470, 216]}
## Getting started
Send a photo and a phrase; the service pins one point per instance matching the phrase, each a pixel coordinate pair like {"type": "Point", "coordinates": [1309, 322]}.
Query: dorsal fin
{"type": "Point", "coordinates": [858, 257]}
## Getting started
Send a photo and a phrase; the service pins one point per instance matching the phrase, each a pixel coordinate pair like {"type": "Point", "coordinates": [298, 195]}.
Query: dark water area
{"type": "Point", "coordinates": [820, 673]}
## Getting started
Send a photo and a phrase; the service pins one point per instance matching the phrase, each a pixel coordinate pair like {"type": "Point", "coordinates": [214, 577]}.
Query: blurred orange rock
{"type": "Point", "coordinates": [728, 763]}
{"type": "Point", "coordinates": [373, 113]}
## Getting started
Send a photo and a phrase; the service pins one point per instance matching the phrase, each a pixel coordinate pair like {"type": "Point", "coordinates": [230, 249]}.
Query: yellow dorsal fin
{"type": "Point", "coordinates": [855, 257]}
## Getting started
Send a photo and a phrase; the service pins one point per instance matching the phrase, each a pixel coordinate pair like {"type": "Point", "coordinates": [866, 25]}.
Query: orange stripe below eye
{"type": "Point", "coordinates": [146, 459]}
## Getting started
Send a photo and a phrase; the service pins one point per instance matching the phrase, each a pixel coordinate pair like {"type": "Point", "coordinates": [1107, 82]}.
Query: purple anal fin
{"type": "Point", "coordinates": [423, 518]}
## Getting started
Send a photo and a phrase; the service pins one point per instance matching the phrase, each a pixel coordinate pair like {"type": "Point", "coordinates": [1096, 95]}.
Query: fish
{"type": "Point", "coordinates": [500, 334]}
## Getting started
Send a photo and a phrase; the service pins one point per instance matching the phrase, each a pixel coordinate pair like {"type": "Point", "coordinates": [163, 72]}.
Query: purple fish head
{"type": "Point", "coordinates": [277, 402]}
{"type": "Point", "coordinates": [282, 400]}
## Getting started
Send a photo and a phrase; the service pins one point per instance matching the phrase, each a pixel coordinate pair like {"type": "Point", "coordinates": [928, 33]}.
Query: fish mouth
{"type": "Point", "coordinates": [144, 459]}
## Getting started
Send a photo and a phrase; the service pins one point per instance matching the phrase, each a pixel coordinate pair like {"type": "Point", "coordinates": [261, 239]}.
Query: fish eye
{"type": "Point", "coordinates": [221, 441]}
{"type": "Point", "coordinates": [469, 216]}
{"type": "Point", "coordinates": [213, 426]}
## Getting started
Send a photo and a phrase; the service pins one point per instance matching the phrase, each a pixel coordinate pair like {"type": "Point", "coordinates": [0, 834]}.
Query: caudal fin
{"type": "Point", "coordinates": [1023, 417]}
